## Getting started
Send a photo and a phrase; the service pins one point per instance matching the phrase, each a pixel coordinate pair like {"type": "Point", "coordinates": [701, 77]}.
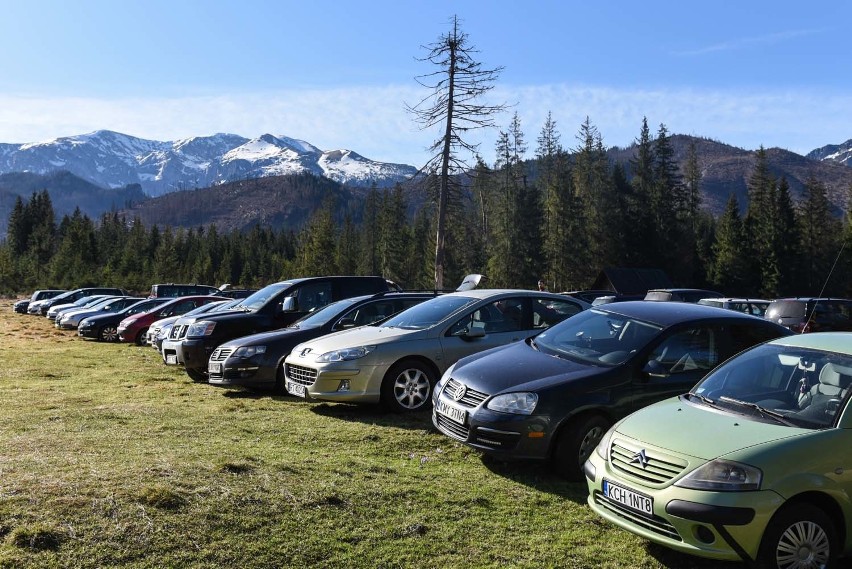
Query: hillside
{"type": "Point", "coordinates": [274, 201]}
{"type": "Point", "coordinates": [67, 192]}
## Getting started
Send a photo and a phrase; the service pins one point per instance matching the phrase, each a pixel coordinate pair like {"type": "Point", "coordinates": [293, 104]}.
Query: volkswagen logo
{"type": "Point", "coordinates": [640, 459]}
{"type": "Point", "coordinates": [459, 392]}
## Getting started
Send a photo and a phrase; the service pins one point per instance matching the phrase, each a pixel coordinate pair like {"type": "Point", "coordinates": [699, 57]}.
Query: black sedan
{"type": "Point", "coordinates": [104, 327]}
{"type": "Point", "coordinates": [555, 395]}
{"type": "Point", "coordinates": [255, 361]}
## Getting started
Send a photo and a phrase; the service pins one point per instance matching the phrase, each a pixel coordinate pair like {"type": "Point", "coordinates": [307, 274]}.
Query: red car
{"type": "Point", "coordinates": [133, 328]}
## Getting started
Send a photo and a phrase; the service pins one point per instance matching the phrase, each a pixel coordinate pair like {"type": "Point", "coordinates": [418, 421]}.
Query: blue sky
{"type": "Point", "coordinates": [338, 74]}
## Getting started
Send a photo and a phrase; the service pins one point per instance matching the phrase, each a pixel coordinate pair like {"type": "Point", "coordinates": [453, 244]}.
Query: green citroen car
{"type": "Point", "coordinates": [753, 464]}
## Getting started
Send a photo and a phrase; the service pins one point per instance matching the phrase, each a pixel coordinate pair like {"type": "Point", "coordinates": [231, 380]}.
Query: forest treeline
{"type": "Point", "coordinates": [560, 215]}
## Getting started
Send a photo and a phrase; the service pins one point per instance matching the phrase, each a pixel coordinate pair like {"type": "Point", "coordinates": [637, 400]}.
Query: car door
{"type": "Point", "coordinates": [489, 325]}
{"type": "Point", "coordinates": [676, 363]}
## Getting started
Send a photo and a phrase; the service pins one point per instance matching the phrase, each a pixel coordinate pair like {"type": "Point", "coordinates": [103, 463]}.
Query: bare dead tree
{"type": "Point", "coordinates": [457, 88]}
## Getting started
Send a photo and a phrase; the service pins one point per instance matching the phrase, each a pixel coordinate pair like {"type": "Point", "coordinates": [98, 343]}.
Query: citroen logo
{"type": "Point", "coordinates": [305, 352]}
{"type": "Point", "coordinates": [640, 459]}
{"type": "Point", "coordinates": [459, 392]}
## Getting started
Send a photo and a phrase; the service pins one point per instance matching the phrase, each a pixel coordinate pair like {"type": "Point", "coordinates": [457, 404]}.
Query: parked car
{"type": "Point", "coordinates": [21, 306]}
{"type": "Point", "coordinates": [399, 361]}
{"type": "Point", "coordinates": [71, 319]}
{"type": "Point", "coordinates": [257, 361]}
{"type": "Point", "coordinates": [751, 465]}
{"type": "Point", "coordinates": [58, 310]}
{"type": "Point", "coordinates": [810, 314]}
{"type": "Point", "coordinates": [133, 328]}
{"type": "Point", "coordinates": [71, 296]}
{"type": "Point", "coordinates": [236, 293]}
{"type": "Point", "coordinates": [270, 308]}
{"type": "Point", "coordinates": [104, 327]}
{"type": "Point", "coordinates": [753, 306]}
{"type": "Point", "coordinates": [589, 295]}
{"type": "Point", "coordinates": [553, 397]}
{"type": "Point", "coordinates": [164, 326]}
{"type": "Point", "coordinates": [610, 298]}
{"type": "Point", "coordinates": [680, 294]}
{"type": "Point", "coordinates": [173, 290]}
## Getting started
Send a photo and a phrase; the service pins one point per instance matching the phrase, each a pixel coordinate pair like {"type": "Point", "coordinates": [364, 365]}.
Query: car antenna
{"type": "Point", "coordinates": [825, 284]}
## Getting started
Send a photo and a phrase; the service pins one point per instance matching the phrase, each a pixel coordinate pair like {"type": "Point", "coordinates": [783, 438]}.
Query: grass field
{"type": "Point", "coordinates": [108, 458]}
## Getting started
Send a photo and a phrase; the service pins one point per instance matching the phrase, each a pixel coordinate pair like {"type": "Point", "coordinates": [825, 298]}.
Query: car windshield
{"type": "Point", "coordinates": [143, 306]}
{"type": "Point", "coordinates": [789, 385]}
{"type": "Point", "coordinates": [597, 337]}
{"type": "Point", "coordinates": [427, 314]}
{"type": "Point", "coordinates": [324, 314]}
{"type": "Point", "coordinates": [261, 297]}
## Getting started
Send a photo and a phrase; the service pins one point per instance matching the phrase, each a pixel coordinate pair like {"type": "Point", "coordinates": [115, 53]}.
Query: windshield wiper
{"type": "Point", "coordinates": [702, 398]}
{"type": "Point", "coordinates": [533, 345]}
{"type": "Point", "coordinates": [764, 412]}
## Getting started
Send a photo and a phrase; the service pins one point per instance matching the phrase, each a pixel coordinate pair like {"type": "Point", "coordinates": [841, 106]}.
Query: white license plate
{"type": "Point", "coordinates": [171, 359]}
{"type": "Point", "coordinates": [451, 412]}
{"type": "Point", "coordinates": [295, 389]}
{"type": "Point", "coordinates": [215, 367]}
{"type": "Point", "coordinates": [628, 498]}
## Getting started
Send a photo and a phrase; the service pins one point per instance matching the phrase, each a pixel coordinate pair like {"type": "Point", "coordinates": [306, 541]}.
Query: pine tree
{"type": "Point", "coordinates": [730, 264]}
{"type": "Point", "coordinates": [819, 239]}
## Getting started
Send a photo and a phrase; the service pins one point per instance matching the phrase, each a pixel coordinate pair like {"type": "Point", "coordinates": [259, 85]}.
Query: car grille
{"type": "Point", "coordinates": [471, 397]}
{"type": "Point", "coordinates": [221, 354]}
{"type": "Point", "coordinates": [178, 332]}
{"type": "Point", "coordinates": [303, 375]}
{"type": "Point", "coordinates": [451, 428]}
{"type": "Point", "coordinates": [660, 468]}
{"type": "Point", "coordinates": [655, 523]}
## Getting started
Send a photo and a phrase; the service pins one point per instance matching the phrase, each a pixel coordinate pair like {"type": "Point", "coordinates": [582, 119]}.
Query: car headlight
{"type": "Point", "coordinates": [345, 354]}
{"type": "Point", "coordinates": [723, 476]}
{"type": "Point", "coordinates": [201, 328]}
{"type": "Point", "coordinates": [249, 351]}
{"type": "Point", "coordinates": [522, 403]}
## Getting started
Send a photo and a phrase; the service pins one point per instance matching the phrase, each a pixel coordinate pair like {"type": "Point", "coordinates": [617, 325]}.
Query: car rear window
{"type": "Point", "coordinates": [786, 309]}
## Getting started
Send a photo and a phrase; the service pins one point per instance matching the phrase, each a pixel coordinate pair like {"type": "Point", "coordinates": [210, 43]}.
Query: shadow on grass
{"type": "Point", "coordinates": [538, 475]}
{"type": "Point", "coordinates": [374, 414]}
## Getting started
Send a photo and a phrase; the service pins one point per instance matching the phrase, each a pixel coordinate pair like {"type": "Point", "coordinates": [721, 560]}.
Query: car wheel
{"type": "Point", "coordinates": [800, 535]}
{"type": "Point", "coordinates": [140, 337]}
{"type": "Point", "coordinates": [408, 387]}
{"type": "Point", "coordinates": [196, 375]}
{"type": "Point", "coordinates": [576, 443]}
{"type": "Point", "coordinates": [108, 333]}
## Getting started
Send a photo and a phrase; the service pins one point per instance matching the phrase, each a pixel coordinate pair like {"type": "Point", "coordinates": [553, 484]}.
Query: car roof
{"type": "Point", "coordinates": [671, 313]}
{"type": "Point", "coordinates": [485, 293]}
{"type": "Point", "coordinates": [735, 299]}
{"type": "Point", "coordinates": [838, 342]}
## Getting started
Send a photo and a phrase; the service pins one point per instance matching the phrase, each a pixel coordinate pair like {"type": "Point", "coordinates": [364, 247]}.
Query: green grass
{"type": "Point", "coordinates": [108, 458]}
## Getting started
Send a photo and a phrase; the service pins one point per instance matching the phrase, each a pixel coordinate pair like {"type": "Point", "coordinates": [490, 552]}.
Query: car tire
{"type": "Point", "coordinates": [196, 375]}
{"type": "Point", "coordinates": [575, 443]}
{"type": "Point", "coordinates": [407, 387]}
{"type": "Point", "coordinates": [108, 333]}
{"type": "Point", "coordinates": [797, 534]}
{"type": "Point", "coordinates": [140, 337]}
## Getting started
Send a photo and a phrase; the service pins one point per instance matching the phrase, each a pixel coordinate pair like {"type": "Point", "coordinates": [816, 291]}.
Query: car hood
{"type": "Point", "coordinates": [274, 336]}
{"type": "Point", "coordinates": [682, 427]}
{"type": "Point", "coordinates": [519, 366]}
{"type": "Point", "coordinates": [362, 336]}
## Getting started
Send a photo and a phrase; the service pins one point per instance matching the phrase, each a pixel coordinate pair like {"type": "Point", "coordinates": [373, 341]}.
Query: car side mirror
{"type": "Point", "coordinates": [655, 369]}
{"type": "Point", "coordinates": [472, 334]}
{"type": "Point", "coordinates": [289, 304]}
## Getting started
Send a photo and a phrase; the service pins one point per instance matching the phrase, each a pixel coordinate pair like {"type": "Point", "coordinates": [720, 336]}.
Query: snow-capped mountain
{"type": "Point", "coordinates": [113, 160]}
{"type": "Point", "coordinates": [834, 152]}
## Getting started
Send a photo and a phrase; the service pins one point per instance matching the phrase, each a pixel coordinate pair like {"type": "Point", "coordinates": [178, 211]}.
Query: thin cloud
{"type": "Point", "coordinates": [745, 43]}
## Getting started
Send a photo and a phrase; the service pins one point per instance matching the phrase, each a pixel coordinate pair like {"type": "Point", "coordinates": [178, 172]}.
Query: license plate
{"type": "Point", "coordinates": [295, 389]}
{"type": "Point", "coordinates": [451, 412]}
{"type": "Point", "coordinates": [171, 359]}
{"type": "Point", "coordinates": [215, 367]}
{"type": "Point", "coordinates": [628, 498]}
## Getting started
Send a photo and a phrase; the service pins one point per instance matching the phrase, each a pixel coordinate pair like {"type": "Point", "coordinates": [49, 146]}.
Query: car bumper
{"type": "Point", "coordinates": [196, 353]}
{"type": "Point", "coordinates": [509, 437]}
{"type": "Point", "coordinates": [717, 525]}
{"type": "Point", "coordinates": [87, 332]}
{"type": "Point", "coordinates": [241, 372]}
{"type": "Point", "coordinates": [344, 382]}
{"type": "Point", "coordinates": [172, 353]}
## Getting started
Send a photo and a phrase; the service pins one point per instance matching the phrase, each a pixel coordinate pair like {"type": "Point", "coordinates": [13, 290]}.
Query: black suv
{"type": "Point", "coordinates": [22, 305]}
{"type": "Point", "coordinates": [811, 314]}
{"type": "Point", "coordinates": [270, 308]}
